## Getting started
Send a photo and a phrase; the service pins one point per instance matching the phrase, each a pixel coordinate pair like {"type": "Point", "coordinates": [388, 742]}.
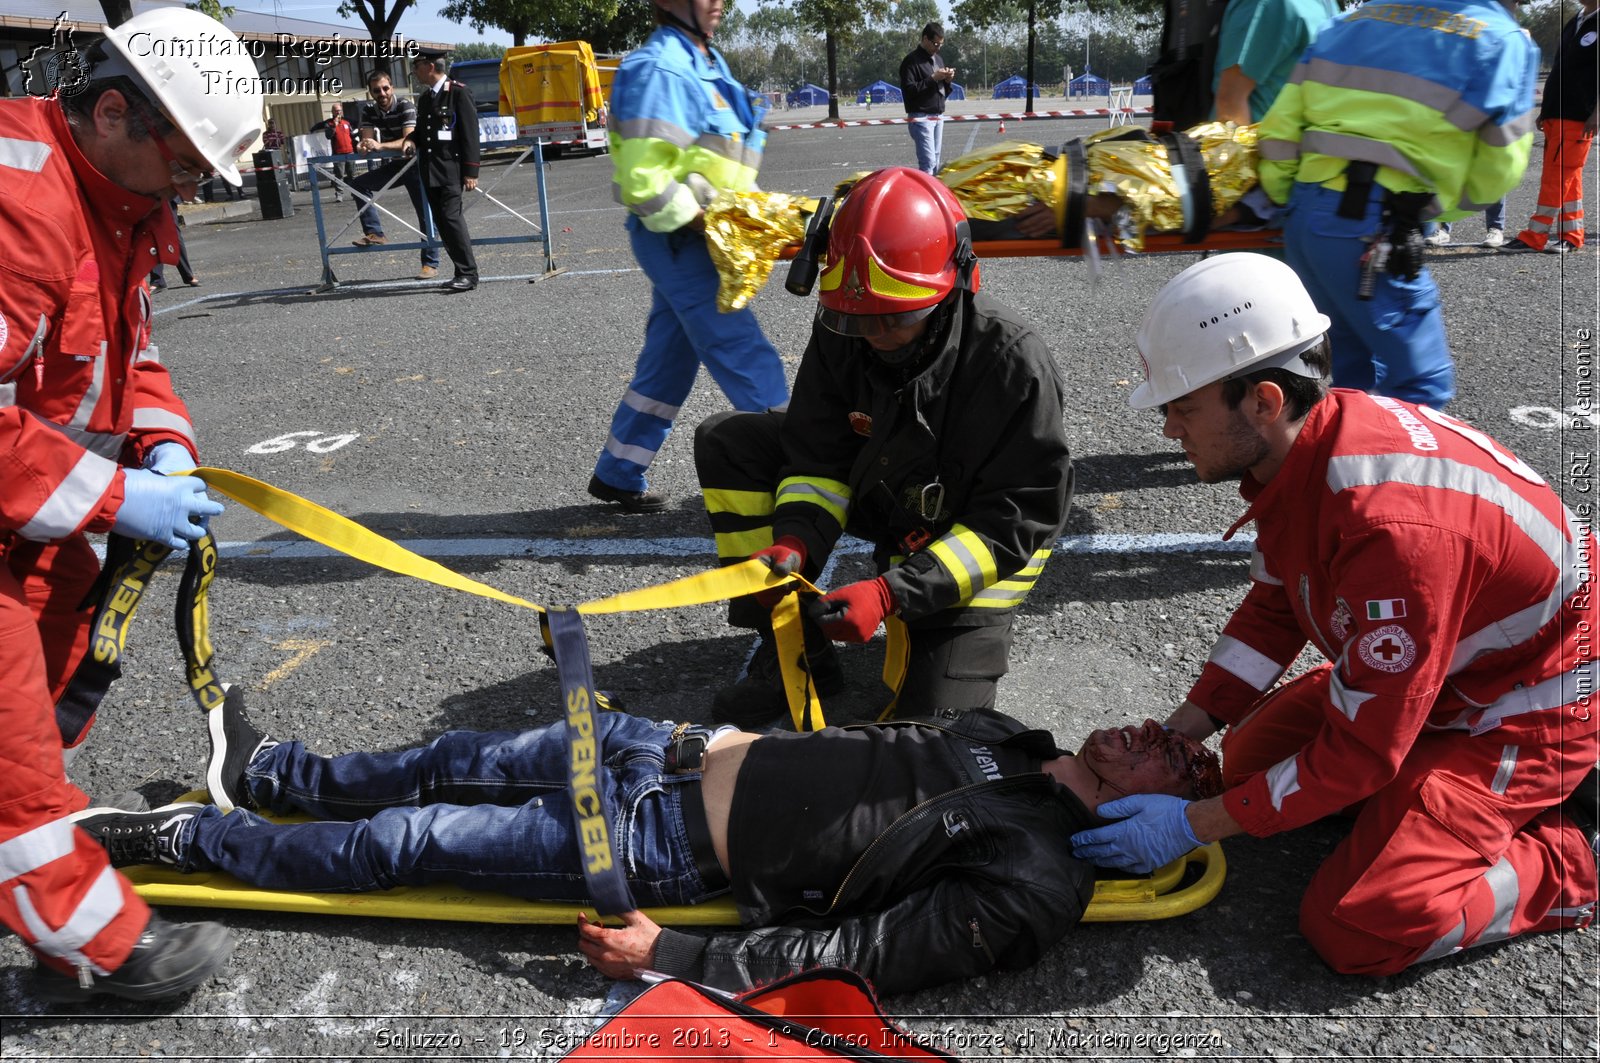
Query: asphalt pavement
{"type": "Point", "coordinates": [467, 425]}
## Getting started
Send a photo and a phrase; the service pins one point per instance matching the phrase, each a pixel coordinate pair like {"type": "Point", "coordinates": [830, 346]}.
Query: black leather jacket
{"type": "Point", "coordinates": [979, 878]}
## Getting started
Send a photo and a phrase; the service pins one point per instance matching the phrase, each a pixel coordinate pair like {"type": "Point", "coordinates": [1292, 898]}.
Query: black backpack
{"type": "Point", "coordinates": [1181, 78]}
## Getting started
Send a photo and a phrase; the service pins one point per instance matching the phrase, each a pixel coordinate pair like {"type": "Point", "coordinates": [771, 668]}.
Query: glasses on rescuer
{"type": "Point", "coordinates": [181, 174]}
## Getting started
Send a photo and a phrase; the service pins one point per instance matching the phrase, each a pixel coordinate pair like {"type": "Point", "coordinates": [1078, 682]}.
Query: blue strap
{"type": "Point", "coordinates": [608, 887]}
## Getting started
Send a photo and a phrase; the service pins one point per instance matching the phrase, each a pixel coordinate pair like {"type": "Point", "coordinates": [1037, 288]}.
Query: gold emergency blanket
{"type": "Point", "coordinates": [745, 231]}
{"type": "Point", "coordinates": [995, 183]}
{"type": "Point", "coordinates": [1000, 181]}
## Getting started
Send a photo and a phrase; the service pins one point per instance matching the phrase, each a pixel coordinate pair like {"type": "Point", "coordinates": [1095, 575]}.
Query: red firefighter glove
{"type": "Point", "coordinates": [785, 557]}
{"type": "Point", "coordinates": [853, 612]}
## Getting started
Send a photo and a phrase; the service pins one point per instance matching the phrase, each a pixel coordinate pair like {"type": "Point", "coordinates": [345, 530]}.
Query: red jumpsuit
{"type": "Point", "coordinates": [82, 392]}
{"type": "Point", "coordinates": [1451, 590]}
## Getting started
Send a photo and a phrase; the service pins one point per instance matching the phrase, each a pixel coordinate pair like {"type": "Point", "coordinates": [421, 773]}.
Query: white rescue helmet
{"type": "Point", "coordinates": [197, 71]}
{"type": "Point", "coordinates": [1224, 316]}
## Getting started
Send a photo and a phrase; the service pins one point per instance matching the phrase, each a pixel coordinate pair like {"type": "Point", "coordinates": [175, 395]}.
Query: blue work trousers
{"type": "Point", "coordinates": [371, 219]}
{"type": "Point", "coordinates": [1392, 344]}
{"type": "Point", "coordinates": [683, 331]}
{"type": "Point", "coordinates": [482, 810]}
{"type": "Point", "coordinates": [927, 133]}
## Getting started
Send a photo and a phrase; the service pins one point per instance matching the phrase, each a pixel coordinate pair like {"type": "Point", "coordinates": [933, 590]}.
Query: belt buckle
{"type": "Point", "coordinates": [686, 752]}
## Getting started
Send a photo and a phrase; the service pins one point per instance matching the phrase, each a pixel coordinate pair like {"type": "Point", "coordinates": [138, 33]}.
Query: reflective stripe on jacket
{"type": "Point", "coordinates": [81, 386]}
{"type": "Point", "coordinates": [1439, 96]}
{"type": "Point", "coordinates": [1442, 576]}
{"type": "Point", "coordinates": [974, 441]}
{"type": "Point", "coordinates": [681, 128]}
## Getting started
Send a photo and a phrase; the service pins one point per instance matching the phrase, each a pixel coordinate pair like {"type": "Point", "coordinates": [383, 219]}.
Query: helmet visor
{"type": "Point", "coordinates": [870, 326]}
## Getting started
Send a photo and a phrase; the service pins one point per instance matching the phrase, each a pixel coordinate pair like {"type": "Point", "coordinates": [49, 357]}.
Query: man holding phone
{"type": "Point", "coordinates": [924, 83]}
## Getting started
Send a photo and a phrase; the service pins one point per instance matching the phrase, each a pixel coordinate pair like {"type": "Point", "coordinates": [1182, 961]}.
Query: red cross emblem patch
{"type": "Point", "coordinates": [1388, 649]}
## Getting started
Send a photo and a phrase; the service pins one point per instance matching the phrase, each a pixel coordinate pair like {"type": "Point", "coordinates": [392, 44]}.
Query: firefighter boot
{"type": "Point", "coordinates": [758, 699]}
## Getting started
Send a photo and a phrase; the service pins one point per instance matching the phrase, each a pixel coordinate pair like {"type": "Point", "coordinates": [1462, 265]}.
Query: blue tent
{"type": "Point", "coordinates": [1014, 88]}
{"type": "Point", "coordinates": [879, 92]}
{"type": "Point", "coordinates": [956, 92]}
{"type": "Point", "coordinates": [1142, 87]}
{"type": "Point", "coordinates": [1089, 85]}
{"type": "Point", "coordinates": [808, 95]}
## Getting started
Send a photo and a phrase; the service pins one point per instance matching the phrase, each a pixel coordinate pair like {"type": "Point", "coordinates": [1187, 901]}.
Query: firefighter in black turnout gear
{"type": "Point", "coordinates": [926, 418]}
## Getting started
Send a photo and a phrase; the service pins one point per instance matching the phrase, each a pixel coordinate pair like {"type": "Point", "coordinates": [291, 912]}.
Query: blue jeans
{"type": "Point", "coordinates": [1494, 217]}
{"type": "Point", "coordinates": [371, 220]}
{"type": "Point", "coordinates": [1392, 344]}
{"type": "Point", "coordinates": [927, 133]}
{"type": "Point", "coordinates": [684, 330]}
{"type": "Point", "coordinates": [483, 810]}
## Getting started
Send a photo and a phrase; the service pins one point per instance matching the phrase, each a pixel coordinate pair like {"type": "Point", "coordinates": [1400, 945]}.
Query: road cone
{"type": "Point", "coordinates": [1002, 126]}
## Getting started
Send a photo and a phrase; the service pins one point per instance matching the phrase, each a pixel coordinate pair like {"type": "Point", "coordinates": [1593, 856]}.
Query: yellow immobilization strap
{"type": "Point", "coordinates": [896, 659]}
{"type": "Point", "coordinates": [340, 533]}
{"type": "Point", "coordinates": [790, 640]}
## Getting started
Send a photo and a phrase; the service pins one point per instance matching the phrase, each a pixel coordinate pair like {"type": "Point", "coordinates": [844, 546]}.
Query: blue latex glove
{"type": "Point", "coordinates": [1151, 831]}
{"type": "Point", "coordinates": [169, 459]}
{"type": "Point", "coordinates": [163, 509]}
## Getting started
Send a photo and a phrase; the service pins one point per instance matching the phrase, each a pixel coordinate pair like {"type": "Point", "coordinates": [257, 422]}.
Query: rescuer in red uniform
{"type": "Point", "coordinates": [94, 439]}
{"type": "Point", "coordinates": [1450, 590]}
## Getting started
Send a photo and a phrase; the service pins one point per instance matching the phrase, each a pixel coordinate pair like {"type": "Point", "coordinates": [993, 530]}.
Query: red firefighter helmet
{"type": "Point", "coordinates": [897, 246]}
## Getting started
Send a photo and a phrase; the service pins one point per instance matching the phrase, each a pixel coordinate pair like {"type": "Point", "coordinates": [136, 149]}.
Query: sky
{"type": "Point", "coordinates": [422, 21]}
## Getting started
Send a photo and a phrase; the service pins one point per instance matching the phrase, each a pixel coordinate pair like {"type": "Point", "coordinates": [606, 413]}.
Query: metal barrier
{"type": "Point", "coordinates": [321, 166]}
{"type": "Point", "coordinates": [1121, 106]}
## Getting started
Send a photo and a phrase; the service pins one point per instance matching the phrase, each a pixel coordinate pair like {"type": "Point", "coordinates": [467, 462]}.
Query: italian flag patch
{"type": "Point", "coordinates": [1386, 608]}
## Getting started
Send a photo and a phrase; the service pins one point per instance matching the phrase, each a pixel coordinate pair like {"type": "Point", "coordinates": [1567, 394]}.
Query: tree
{"type": "Point", "coordinates": [380, 17]}
{"type": "Point", "coordinates": [984, 13]}
{"type": "Point", "coordinates": [477, 50]}
{"type": "Point", "coordinates": [215, 8]}
{"type": "Point", "coordinates": [838, 21]}
{"type": "Point", "coordinates": [914, 14]}
{"type": "Point", "coordinates": [608, 25]}
{"type": "Point", "coordinates": [1544, 21]}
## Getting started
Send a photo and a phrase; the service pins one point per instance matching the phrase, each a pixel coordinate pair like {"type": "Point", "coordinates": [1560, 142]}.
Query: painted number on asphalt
{"type": "Point", "coordinates": [322, 444]}
{"type": "Point", "coordinates": [1548, 417]}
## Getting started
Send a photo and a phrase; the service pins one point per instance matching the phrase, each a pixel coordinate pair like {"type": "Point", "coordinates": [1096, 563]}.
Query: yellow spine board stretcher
{"type": "Point", "coordinates": [1161, 895]}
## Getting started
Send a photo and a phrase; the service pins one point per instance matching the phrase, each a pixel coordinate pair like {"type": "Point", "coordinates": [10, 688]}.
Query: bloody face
{"type": "Point", "coordinates": [1149, 759]}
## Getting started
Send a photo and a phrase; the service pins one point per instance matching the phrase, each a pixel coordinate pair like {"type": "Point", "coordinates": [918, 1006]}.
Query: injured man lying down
{"type": "Point", "coordinates": [916, 851]}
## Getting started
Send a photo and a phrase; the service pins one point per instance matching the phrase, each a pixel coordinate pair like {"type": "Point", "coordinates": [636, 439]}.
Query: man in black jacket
{"type": "Point", "coordinates": [924, 83]}
{"type": "Point", "coordinates": [926, 418]}
{"type": "Point", "coordinates": [446, 143]}
{"type": "Point", "coordinates": [948, 835]}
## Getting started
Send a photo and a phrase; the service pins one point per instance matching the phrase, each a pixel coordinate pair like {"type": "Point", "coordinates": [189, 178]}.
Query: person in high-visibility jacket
{"type": "Point", "coordinates": [927, 420]}
{"type": "Point", "coordinates": [1396, 114]}
{"type": "Point", "coordinates": [681, 128]}
{"type": "Point", "coordinates": [94, 439]}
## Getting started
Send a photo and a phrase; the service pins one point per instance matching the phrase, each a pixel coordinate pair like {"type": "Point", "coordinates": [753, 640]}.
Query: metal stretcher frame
{"type": "Point", "coordinates": [1161, 895]}
{"type": "Point", "coordinates": [321, 166]}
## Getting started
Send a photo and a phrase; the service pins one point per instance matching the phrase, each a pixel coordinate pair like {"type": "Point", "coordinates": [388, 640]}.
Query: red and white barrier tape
{"type": "Point", "coordinates": [1020, 116]}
